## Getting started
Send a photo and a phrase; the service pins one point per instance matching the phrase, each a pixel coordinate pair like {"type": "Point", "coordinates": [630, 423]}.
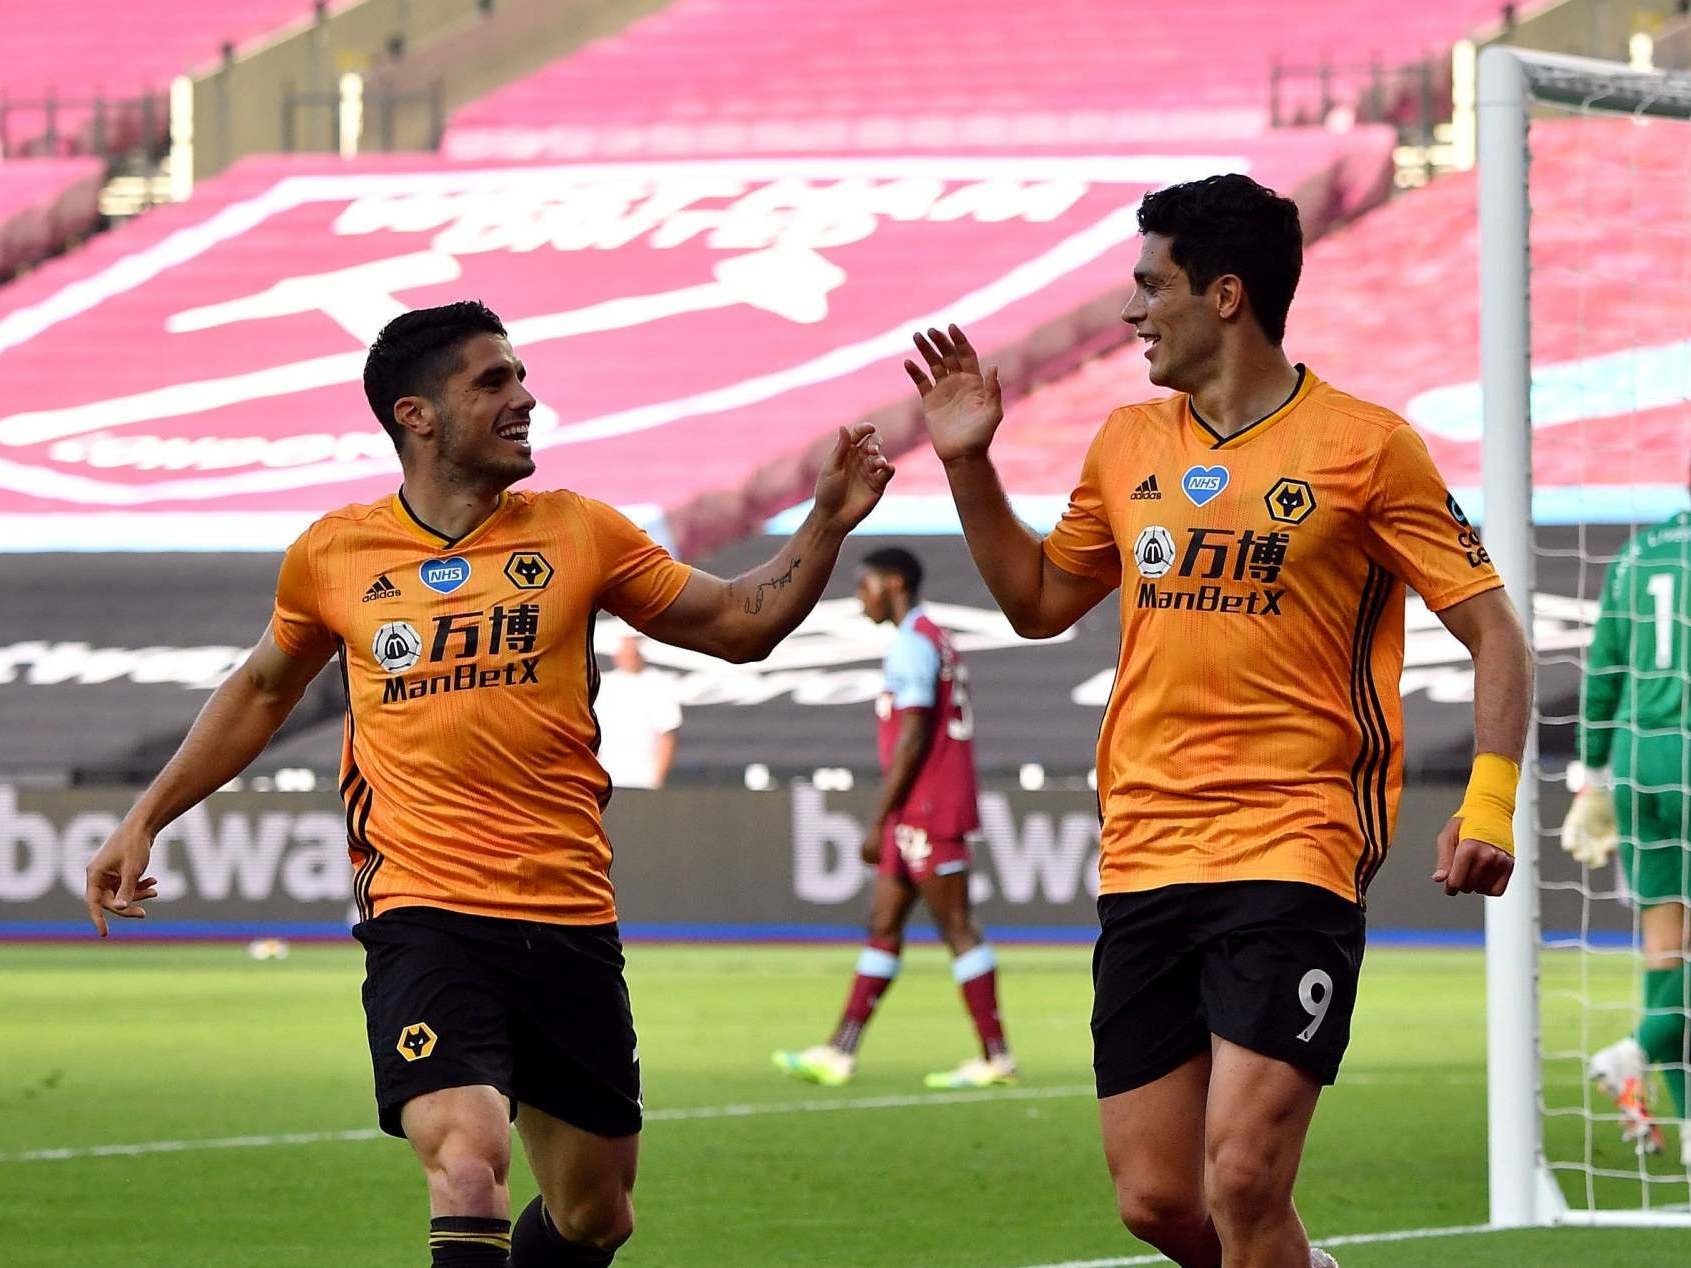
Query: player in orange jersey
{"type": "Point", "coordinates": [462, 616]}
{"type": "Point", "coordinates": [1261, 527]}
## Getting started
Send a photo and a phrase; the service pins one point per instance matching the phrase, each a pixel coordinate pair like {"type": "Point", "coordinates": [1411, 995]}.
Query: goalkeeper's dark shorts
{"type": "Point", "coordinates": [538, 1011]}
{"type": "Point", "coordinates": [1269, 965]}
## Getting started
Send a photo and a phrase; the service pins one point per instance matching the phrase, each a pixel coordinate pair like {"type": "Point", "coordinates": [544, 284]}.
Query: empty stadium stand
{"type": "Point", "coordinates": [767, 76]}
{"type": "Point", "coordinates": [1388, 309]}
{"type": "Point", "coordinates": [695, 330]}
{"type": "Point", "coordinates": [75, 52]}
{"type": "Point", "coordinates": [80, 86]}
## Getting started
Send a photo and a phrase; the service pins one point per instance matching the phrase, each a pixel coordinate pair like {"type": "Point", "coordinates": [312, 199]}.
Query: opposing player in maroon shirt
{"type": "Point", "coordinates": [919, 840]}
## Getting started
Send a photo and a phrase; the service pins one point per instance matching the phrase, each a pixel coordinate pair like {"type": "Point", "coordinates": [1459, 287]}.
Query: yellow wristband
{"type": "Point", "coordinates": [1488, 809]}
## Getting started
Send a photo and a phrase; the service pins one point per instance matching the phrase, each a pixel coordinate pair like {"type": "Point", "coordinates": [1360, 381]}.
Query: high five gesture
{"type": "Point", "coordinates": [963, 406]}
{"type": "Point", "coordinates": [853, 476]}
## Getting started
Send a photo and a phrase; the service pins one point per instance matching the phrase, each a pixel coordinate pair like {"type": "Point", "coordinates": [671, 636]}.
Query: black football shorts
{"type": "Point", "coordinates": [538, 1011]}
{"type": "Point", "coordinates": [1269, 965]}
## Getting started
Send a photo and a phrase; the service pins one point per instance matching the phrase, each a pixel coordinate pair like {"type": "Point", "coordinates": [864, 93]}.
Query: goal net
{"type": "Point", "coordinates": [1585, 246]}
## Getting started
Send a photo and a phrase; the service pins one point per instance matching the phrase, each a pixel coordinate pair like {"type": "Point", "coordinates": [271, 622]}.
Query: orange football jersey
{"type": "Point", "coordinates": [1253, 732]}
{"type": "Point", "coordinates": [467, 766]}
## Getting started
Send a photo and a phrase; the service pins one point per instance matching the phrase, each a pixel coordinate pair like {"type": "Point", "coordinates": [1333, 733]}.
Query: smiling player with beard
{"type": "Point", "coordinates": [462, 615]}
{"type": "Point", "coordinates": [1249, 764]}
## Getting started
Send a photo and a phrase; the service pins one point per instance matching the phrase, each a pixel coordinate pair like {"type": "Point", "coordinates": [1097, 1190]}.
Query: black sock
{"type": "Point", "coordinates": [469, 1241]}
{"type": "Point", "coordinates": [537, 1243]}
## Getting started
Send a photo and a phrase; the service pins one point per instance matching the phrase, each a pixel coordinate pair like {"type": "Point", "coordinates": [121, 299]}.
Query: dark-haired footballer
{"type": "Point", "coordinates": [462, 615]}
{"type": "Point", "coordinates": [919, 838]}
{"type": "Point", "coordinates": [1261, 527]}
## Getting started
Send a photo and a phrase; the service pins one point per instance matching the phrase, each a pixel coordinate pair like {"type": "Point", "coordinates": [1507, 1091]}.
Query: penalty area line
{"type": "Point", "coordinates": [1346, 1239]}
{"type": "Point", "coordinates": [816, 1105]}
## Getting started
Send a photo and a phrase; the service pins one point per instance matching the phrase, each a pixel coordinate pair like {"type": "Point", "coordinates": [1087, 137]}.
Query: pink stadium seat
{"type": "Point", "coordinates": [773, 76]}
{"type": "Point", "coordinates": [45, 203]}
{"type": "Point", "coordinates": [1389, 310]}
{"type": "Point", "coordinates": [696, 330]}
{"type": "Point", "coordinates": [77, 50]}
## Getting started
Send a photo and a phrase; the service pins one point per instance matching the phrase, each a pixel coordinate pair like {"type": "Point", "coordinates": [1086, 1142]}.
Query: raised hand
{"type": "Point", "coordinates": [853, 477]}
{"type": "Point", "coordinates": [962, 406]}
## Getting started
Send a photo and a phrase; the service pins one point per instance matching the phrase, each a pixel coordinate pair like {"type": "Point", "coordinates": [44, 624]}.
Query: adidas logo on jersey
{"type": "Point", "coordinates": [381, 588]}
{"type": "Point", "coordinates": [1147, 490]}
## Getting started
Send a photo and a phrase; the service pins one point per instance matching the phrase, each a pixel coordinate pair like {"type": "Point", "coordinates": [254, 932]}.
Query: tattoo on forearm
{"type": "Point", "coordinates": [754, 600]}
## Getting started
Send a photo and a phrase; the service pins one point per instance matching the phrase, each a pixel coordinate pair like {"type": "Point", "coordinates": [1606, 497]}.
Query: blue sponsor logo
{"type": "Point", "coordinates": [1201, 484]}
{"type": "Point", "coordinates": [443, 576]}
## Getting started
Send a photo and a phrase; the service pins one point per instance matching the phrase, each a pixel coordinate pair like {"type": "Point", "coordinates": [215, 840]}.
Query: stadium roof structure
{"type": "Point", "coordinates": [694, 330]}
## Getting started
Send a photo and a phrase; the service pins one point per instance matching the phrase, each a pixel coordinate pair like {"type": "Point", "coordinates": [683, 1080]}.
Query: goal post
{"type": "Point", "coordinates": [1514, 86]}
{"type": "Point", "coordinates": [1506, 462]}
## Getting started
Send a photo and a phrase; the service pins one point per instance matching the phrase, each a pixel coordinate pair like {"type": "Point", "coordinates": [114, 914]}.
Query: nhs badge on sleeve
{"type": "Point", "coordinates": [443, 576]}
{"type": "Point", "coordinates": [1201, 484]}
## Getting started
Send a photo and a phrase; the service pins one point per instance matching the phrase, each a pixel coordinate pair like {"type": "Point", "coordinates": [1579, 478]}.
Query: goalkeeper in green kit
{"type": "Point", "coordinates": [1634, 794]}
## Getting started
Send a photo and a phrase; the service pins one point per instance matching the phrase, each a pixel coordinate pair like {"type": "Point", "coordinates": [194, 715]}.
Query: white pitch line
{"type": "Point", "coordinates": [1348, 1239]}
{"type": "Point", "coordinates": [188, 1146]}
{"type": "Point", "coordinates": [680, 1114]}
{"type": "Point", "coordinates": [822, 1106]}
{"type": "Point", "coordinates": [1382, 1079]}
{"type": "Point", "coordinates": [817, 1105]}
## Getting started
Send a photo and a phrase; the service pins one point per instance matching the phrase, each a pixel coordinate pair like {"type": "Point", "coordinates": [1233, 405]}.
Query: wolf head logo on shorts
{"type": "Point", "coordinates": [416, 1041]}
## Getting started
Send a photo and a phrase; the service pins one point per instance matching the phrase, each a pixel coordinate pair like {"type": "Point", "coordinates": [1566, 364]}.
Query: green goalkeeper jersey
{"type": "Point", "coordinates": [1635, 673]}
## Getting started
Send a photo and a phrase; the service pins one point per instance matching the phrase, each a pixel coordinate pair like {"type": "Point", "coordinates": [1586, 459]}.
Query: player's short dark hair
{"type": "Point", "coordinates": [418, 351]}
{"type": "Point", "coordinates": [1231, 224]}
{"type": "Point", "coordinates": [900, 563]}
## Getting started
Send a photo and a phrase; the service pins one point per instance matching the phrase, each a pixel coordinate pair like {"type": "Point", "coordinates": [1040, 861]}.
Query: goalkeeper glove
{"type": "Point", "coordinates": [1589, 832]}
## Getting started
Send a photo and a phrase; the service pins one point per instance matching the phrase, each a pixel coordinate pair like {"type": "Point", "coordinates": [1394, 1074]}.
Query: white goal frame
{"type": "Point", "coordinates": [1523, 1190]}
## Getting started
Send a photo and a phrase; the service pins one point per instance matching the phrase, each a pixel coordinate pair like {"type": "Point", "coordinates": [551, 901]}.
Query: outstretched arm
{"type": "Point", "coordinates": [743, 619]}
{"type": "Point", "coordinates": [233, 728]}
{"type": "Point", "coordinates": [963, 408]}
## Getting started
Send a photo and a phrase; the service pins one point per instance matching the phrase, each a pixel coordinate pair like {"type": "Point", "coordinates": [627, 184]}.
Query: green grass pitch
{"type": "Point", "coordinates": [131, 1043]}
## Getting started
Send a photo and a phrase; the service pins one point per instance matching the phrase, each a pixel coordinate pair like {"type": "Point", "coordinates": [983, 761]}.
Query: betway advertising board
{"type": "Point", "coordinates": [690, 863]}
